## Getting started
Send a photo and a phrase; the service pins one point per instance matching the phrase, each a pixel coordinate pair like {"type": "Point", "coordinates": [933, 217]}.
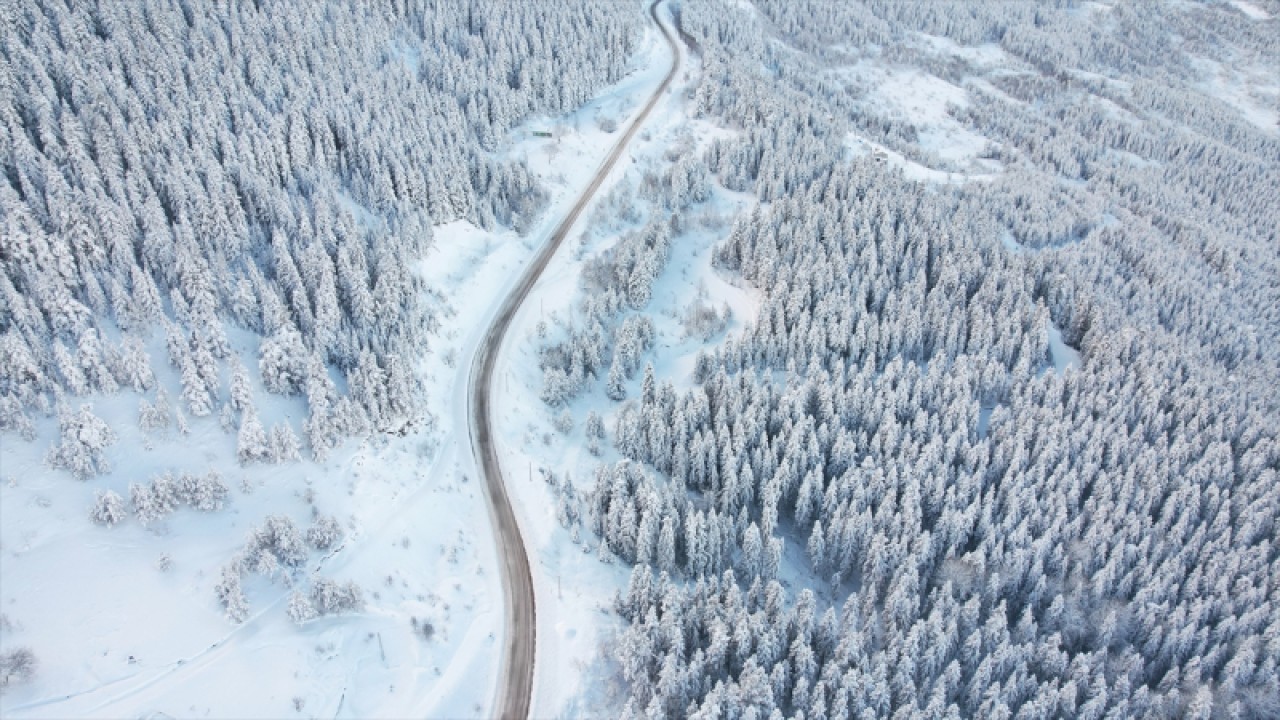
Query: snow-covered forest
{"type": "Point", "coordinates": [921, 362]}
{"type": "Point", "coordinates": [1002, 438]}
{"type": "Point", "coordinates": [212, 223]}
{"type": "Point", "coordinates": [178, 168]}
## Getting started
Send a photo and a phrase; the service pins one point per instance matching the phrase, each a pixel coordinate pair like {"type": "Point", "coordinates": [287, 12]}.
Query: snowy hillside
{"type": "Point", "coordinates": [922, 370]}
{"type": "Point", "coordinates": [237, 277]}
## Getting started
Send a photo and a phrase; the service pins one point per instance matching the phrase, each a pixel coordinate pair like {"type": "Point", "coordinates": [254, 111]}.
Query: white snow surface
{"type": "Point", "coordinates": [1096, 7]}
{"type": "Point", "coordinates": [923, 100]}
{"type": "Point", "coordinates": [1062, 354]}
{"type": "Point", "coordinates": [1250, 10]}
{"type": "Point", "coordinates": [1252, 91]}
{"type": "Point", "coordinates": [989, 55]}
{"type": "Point", "coordinates": [115, 636]}
{"type": "Point", "coordinates": [913, 170]}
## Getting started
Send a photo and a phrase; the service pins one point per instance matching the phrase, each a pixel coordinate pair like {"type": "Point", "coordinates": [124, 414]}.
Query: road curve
{"type": "Point", "coordinates": [515, 679]}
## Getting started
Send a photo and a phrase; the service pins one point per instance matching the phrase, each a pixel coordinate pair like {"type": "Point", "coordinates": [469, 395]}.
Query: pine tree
{"type": "Point", "coordinates": [154, 416]}
{"type": "Point", "coordinates": [667, 545]}
{"type": "Point", "coordinates": [148, 504]}
{"type": "Point", "coordinates": [616, 387]}
{"type": "Point", "coordinates": [108, 508]}
{"type": "Point", "coordinates": [648, 387]}
{"type": "Point", "coordinates": [324, 533]}
{"type": "Point", "coordinates": [752, 551]}
{"type": "Point", "coordinates": [135, 365]}
{"type": "Point", "coordinates": [241, 390]}
{"type": "Point", "coordinates": [817, 547]}
{"type": "Point", "coordinates": [300, 608]}
{"type": "Point", "coordinates": [205, 493]}
{"type": "Point", "coordinates": [84, 438]}
{"type": "Point", "coordinates": [194, 391]}
{"type": "Point", "coordinates": [231, 595]}
{"type": "Point", "coordinates": [330, 597]}
{"type": "Point", "coordinates": [251, 442]}
{"type": "Point", "coordinates": [283, 443]}
{"type": "Point", "coordinates": [283, 362]}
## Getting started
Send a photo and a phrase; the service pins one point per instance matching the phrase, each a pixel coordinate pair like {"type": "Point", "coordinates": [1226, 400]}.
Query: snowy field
{"type": "Point", "coordinates": [126, 618]}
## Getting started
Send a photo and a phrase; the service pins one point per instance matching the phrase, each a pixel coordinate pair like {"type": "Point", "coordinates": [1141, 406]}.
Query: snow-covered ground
{"type": "Point", "coordinates": [924, 101]}
{"type": "Point", "coordinates": [987, 56]}
{"type": "Point", "coordinates": [1250, 10]}
{"type": "Point", "coordinates": [1251, 91]}
{"type": "Point", "coordinates": [1062, 354]}
{"type": "Point", "coordinates": [115, 635]}
{"type": "Point", "coordinates": [913, 170]}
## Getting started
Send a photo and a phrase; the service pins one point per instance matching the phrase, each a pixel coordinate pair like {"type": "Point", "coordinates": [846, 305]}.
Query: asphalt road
{"type": "Point", "coordinates": [515, 680]}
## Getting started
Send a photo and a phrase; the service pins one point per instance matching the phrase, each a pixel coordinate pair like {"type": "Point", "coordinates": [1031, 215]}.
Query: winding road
{"type": "Point", "coordinates": [515, 679]}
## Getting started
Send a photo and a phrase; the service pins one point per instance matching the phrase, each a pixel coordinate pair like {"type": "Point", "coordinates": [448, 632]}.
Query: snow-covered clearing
{"type": "Point", "coordinates": [1096, 7]}
{"type": "Point", "coordinates": [115, 635]}
{"type": "Point", "coordinates": [1253, 92]}
{"type": "Point", "coordinates": [913, 170]}
{"type": "Point", "coordinates": [987, 56]}
{"type": "Point", "coordinates": [924, 101]}
{"type": "Point", "coordinates": [1063, 355]}
{"type": "Point", "coordinates": [1250, 10]}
